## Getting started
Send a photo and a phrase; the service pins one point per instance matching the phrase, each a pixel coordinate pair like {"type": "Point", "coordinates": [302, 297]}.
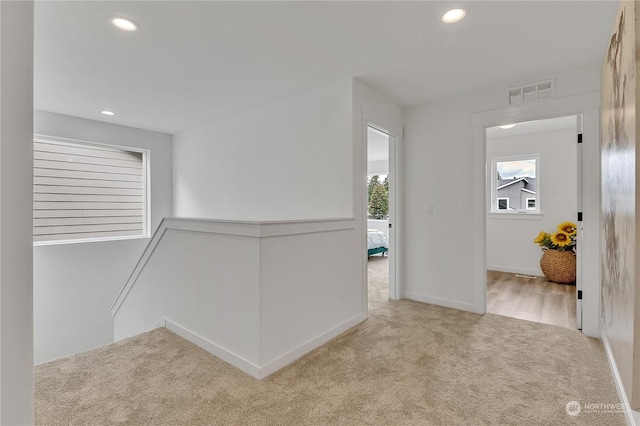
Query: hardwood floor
{"type": "Point", "coordinates": [533, 299]}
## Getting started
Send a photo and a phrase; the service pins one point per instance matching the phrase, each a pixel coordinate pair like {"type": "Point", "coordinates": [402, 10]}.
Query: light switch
{"type": "Point", "coordinates": [430, 209]}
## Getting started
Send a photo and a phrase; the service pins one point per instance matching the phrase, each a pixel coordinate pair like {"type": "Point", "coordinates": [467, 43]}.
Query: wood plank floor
{"type": "Point", "coordinates": [534, 299]}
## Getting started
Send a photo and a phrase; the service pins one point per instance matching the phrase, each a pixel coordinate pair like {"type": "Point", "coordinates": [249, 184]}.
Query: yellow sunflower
{"type": "Point", "coordinates": [568, 228]}
{"type": "Point", "coordinates": [541, 236]}
{"type": "Point", "coordinates": [561, 239]}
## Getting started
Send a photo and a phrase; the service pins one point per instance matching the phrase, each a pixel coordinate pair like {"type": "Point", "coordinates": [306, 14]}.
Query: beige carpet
{"type": "Point", "coordinates": [408, 364]}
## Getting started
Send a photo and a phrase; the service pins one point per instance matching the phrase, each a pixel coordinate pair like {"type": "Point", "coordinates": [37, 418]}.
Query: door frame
{"type": "Point", "coordinates": [580, 229]}
{"type": "Point", "coordinates": [394, 291]}
{"type": "Point", "coordinates": [587, 105]}
{"type": "Point", "coordinates": [371, 118]}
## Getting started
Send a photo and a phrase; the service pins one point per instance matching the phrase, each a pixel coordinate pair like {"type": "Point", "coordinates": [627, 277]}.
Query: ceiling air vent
{"type": "Point", "coordinates": [540, 91]}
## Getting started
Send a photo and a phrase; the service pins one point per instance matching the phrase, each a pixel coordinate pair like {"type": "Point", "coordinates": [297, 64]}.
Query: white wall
{"type": "Point", "coordinates": [620, 318]}
{"type": "Point", "coordinates": [207, 283]}
{"type": "Point", "coordinates": [16, 159]}
{"type": "Point", "coordinates": [371, 107]}
{"type": "Point", "coordinates": [287, 160]}
{"type": "Point", "coordinates": [302, 301]}
{"type": "Point", "coordinates": [253, 294]}
{"type": "Point", "coordinates": [510, 245]}
{"type": "Point", "coordinates": [439, 155]}
{"type": "Point", "coordinates": [76, 284]}
{"type": "Point", "coordinates": [301, 158]}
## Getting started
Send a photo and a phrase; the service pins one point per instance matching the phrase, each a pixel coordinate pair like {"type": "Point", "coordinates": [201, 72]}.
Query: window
{"type": "Point", "coordinates": [503, 204]}
{"type": "Point", "coordinates": [531, 203]}
{"type": "Point", "coordinates": [515, 184]}
{"type": "Point", "coordinates": [88, 192]}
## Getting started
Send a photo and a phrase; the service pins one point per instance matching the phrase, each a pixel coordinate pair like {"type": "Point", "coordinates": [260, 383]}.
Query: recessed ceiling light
{"type": "Point", "coordinates": [105, 112]}
{"type": "Point", "coordinates": [124, 23]}
{"type": "Point", "coordinates": [454, 15]}
{"type": "Point", "coordinates": [508, 126]}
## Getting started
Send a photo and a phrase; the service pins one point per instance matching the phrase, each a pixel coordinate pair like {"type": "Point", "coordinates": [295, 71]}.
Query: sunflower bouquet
{"type": "Point", "coordinates": [564, 239]}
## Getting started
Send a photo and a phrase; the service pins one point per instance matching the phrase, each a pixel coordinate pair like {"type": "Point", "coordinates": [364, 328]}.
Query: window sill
{"type": "Point", "coordinates": [90, 240]}
{"type": "Point", "coordinates": [516, 216]}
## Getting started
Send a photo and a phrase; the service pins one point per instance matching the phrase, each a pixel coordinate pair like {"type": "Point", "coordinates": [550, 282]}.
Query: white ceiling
{"type": "Point", "coordinates": [197, 62]}
{"type": "Point", "coordinates": [533, 127]}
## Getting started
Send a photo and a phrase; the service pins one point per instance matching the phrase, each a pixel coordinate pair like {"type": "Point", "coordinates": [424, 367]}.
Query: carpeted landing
{"type": "Point", "coordinates": [409, 363]}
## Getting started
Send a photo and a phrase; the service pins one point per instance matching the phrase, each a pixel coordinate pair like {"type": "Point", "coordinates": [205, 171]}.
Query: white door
{"type": "Point", "coordinates": [389, 169]}
{"type": "Point", "coordinates": [394, 292]}
{"type": "Point", "coordinates": [580, 236]}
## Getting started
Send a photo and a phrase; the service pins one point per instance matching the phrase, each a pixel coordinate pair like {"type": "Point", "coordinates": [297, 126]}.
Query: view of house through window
{"type": "Point", "coordinates": [87, 192]}
{"type": "Point", "coordinates": [515, 188]}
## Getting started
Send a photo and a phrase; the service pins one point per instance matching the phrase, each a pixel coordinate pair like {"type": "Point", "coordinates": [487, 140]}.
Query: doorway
{"type": "Point", "coordinates": [378, 214]}
{"type": "Point", "coordinates": [533, 186]}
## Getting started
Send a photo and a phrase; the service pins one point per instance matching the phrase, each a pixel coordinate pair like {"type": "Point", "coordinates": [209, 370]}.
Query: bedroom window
{"type": "Point", "coordinates": [515, 184]}
{"type": "Point", "coordinates": [88, 192]}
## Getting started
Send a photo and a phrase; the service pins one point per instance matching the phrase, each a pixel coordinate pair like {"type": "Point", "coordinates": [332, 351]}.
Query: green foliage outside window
{"type": "Point", "coordinates": [378, 197]}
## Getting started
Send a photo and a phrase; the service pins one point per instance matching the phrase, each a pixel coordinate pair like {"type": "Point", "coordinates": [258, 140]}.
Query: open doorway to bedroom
{"type": "Point", "coordinates": [534, 195]}
{"type": "Point", "coordinates": [378, 212]}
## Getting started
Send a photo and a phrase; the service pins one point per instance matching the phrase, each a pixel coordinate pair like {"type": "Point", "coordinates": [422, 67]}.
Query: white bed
{"type": "Point", "coordinates": [377, 242]}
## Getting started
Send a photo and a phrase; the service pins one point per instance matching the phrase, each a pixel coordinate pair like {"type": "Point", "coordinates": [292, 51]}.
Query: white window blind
{"type": "Point", "coordinates": [87, 192]}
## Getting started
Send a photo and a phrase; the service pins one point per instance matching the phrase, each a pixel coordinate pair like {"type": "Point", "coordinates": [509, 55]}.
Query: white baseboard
{"type": "Point", "coordinates": [214, 349]}
{"type": "Point", "coordinates": [512, 270]}
{"type": "Point", "coordinates": [447, 303]}
{"type": "Point", "coordinates": [286, 359]}
{"type": "Point", "coordinates": [261, 371]}
{"type": "Point", "coordinates": [161, 323]}
{"type": "Point", "coordinates": [632, 416]}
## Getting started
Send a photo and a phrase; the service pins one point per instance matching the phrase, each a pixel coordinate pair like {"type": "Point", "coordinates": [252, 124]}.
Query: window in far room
{"type": "Point", "coordinates": [515, 188]}
{"type": "Point", "coordinates": [88, 192]}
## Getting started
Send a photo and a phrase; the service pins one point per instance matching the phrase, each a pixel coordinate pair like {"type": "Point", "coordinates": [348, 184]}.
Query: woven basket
{"type": "Point", "coordinates": [559, 266]}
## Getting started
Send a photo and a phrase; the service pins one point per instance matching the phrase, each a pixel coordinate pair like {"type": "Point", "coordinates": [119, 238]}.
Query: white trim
{"type": "Point", "coordinates": [478, 237]}
{"type": "Point", "coordinates": [632, 416]}
{"type": "Point", "coordinates": [146, 170]}
{"type": "Point", "coordinates": [226, 227]}
{"type": "Point", "coordinates": [37, 137]}
{"type": "Point", "coordinates": [447, 303]}
{"type": "Point", "coordinates": [370, 115]}
{"type": "Point", "coordinates": [361, 146]}
{"type": "Point", "coordinates": [559, 107]}
{"type": "Point", "coordinates": [380, 121]}
{"type": "Point", "coordinates": [512, 270]}
{"type": "Point", "coordinates": [286, 359]}
{"type": "Point", "coordinates": [89, 240]}
{"type": "Point", "coordinates": [137, 270]}
{"type": "Point", "coordinates": [260, 371]}
{"type": "Point", "coordinates": [495, 189]}
{"type": "Point", "coordinates": [161, 323]}
{"type": "Point", "coordinates": [516, 215]}
{"type": "Point", "coordinates": [512, 182]}
{"type": "Point", "coordinates": [258, 229]}
{"type": "Point", "coordinates": [214, 349]}
{"type": "Point", "coordinates": [529, 191]}
{"type": "Point", "coordinates": [395, 232]}
{"type": "Point", "coordinates": [586, 104]}
{"type": "Point", "coordinates": [395, 217]}
{"type": "Point", "coordinates": [590, 255]}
